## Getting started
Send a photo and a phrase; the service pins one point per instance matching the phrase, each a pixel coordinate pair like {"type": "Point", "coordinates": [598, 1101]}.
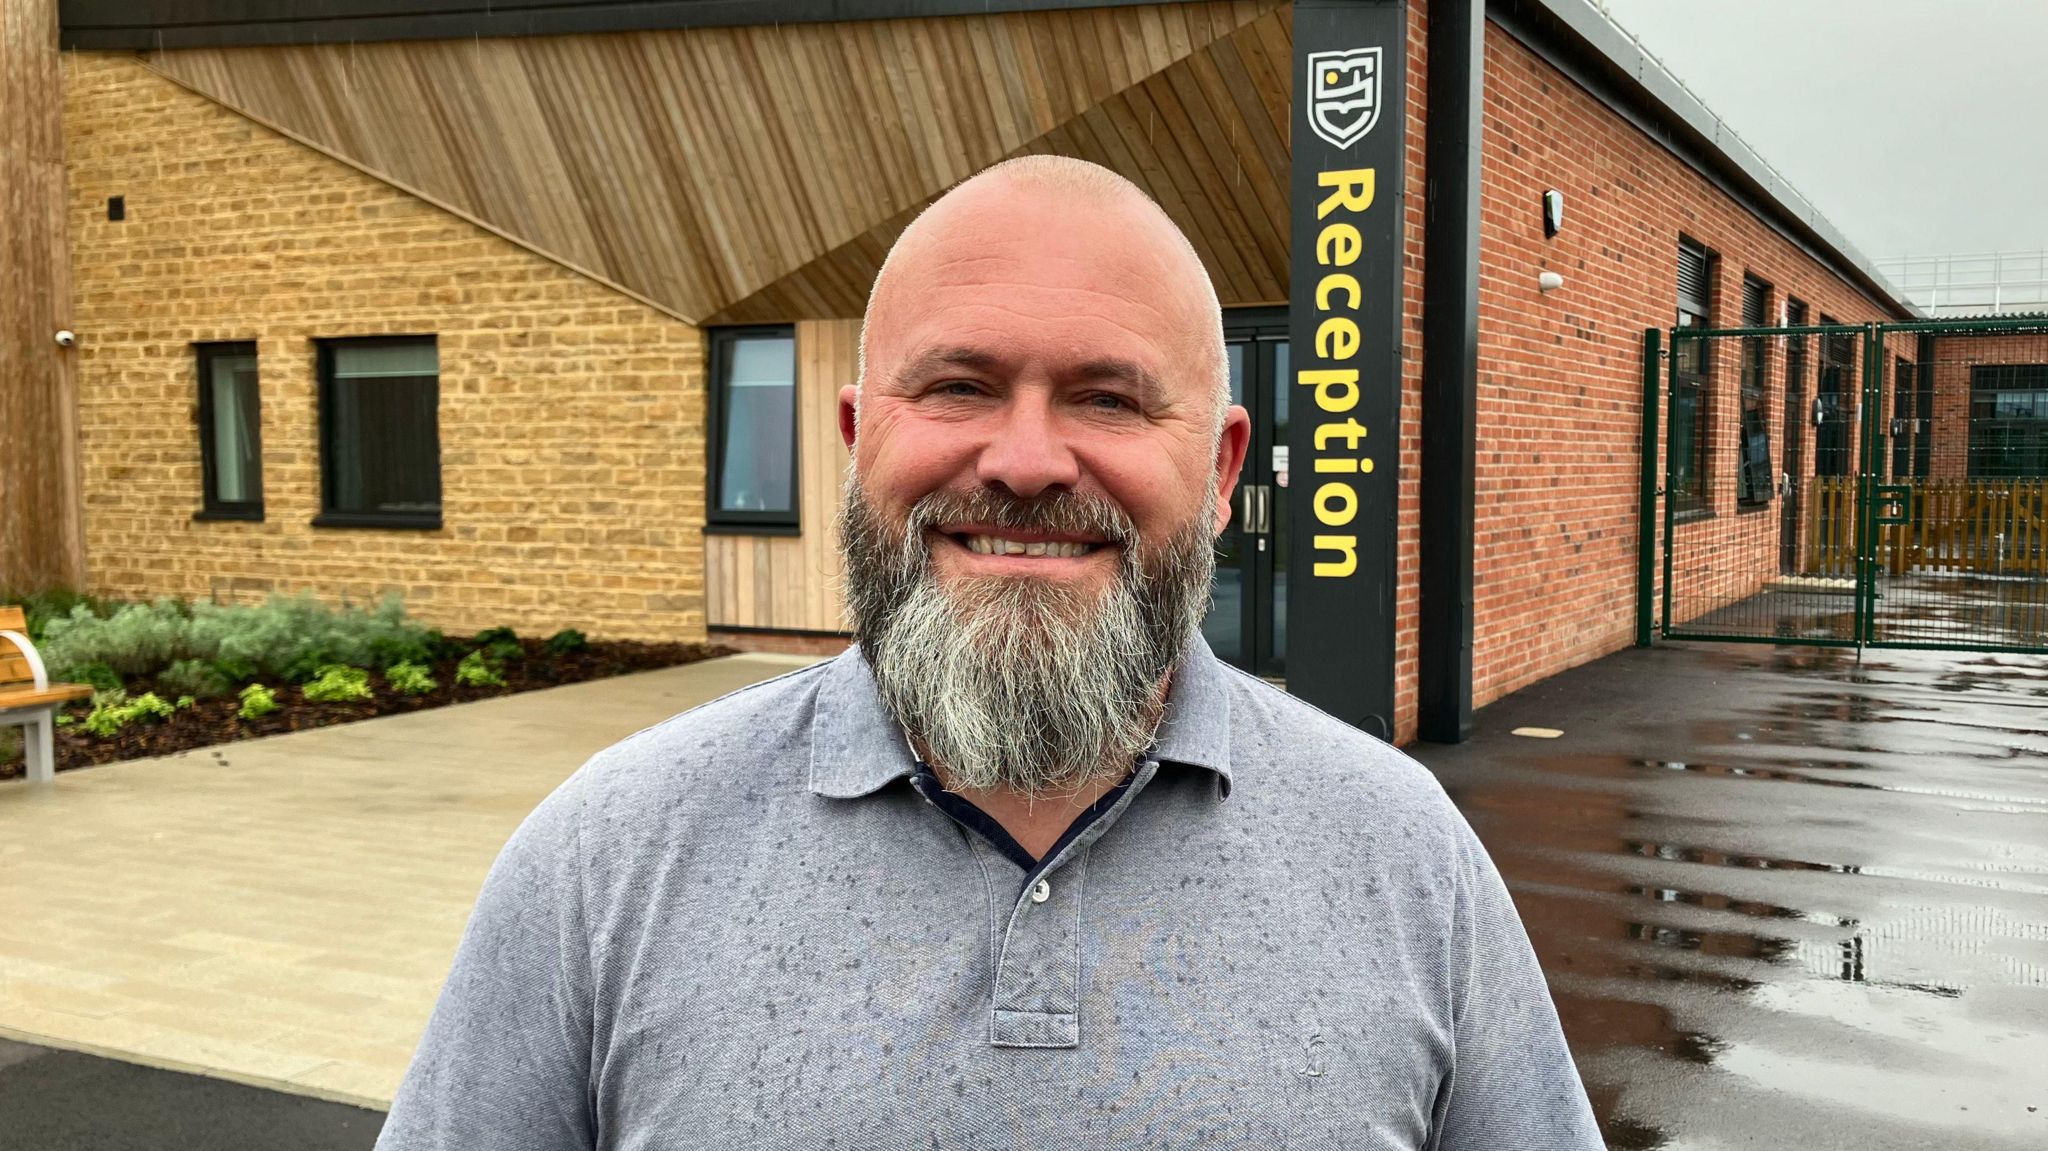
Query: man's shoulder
{"type": "Point", "coordinates": [738, 734]}
{"type": "Point", "coordinates": [1280, 738]}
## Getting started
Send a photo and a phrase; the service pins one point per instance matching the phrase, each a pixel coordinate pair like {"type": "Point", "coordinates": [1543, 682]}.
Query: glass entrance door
{"type": "Point", "coordinates": [1247, 624]}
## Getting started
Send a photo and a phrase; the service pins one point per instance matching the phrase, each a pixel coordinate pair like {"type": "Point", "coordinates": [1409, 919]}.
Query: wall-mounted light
{"type": "Point", "coordinates": [1553, 213]}
{"type": "Point", "coordinates": [1549, 282]}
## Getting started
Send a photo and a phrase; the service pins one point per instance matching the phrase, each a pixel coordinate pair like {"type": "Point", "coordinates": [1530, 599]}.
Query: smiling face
{"type": "Point", "coordinates": [1042, 458]}
{"type": "Point", "coordinates": [1038, 339]}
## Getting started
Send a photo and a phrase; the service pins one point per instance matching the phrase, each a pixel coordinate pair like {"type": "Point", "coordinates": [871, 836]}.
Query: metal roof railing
{"type": "Point", "coordinates": [1972, 283]}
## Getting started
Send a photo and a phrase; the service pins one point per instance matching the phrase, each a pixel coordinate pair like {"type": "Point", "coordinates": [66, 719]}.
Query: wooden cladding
{"type": "Point", "coordinates": [793, 581]}
{"type": "Point", "coordinates": [42, 539]}
{"type": "Point", "coordinates": [703, 167]}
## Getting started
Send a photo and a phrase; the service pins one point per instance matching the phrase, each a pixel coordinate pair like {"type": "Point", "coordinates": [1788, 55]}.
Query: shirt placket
{"type": "Point", "coordinates": [1036, 1000]}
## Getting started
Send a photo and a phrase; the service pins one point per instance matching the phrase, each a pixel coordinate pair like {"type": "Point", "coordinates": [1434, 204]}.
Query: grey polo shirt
{"type": "Point", "coordinates": [743, 928]}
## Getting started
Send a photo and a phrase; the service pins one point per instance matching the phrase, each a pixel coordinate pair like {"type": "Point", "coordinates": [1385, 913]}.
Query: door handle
{"type": "Point", "coordinates": [1244, 509]}
{"type": "Point", "coordinates": [1265, 505]}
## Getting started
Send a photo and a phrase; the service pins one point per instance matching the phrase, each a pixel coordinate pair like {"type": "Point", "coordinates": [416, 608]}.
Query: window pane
{"type": "Point", "coordinates": [231, 384]}
{"type": "Point", "coordinates": [757, 474]}
{"type": "Point", "coordinates": [383, 428]}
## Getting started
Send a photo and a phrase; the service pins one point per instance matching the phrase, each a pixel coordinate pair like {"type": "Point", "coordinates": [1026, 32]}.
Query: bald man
{"type": "Point", "coordinates": [1027, 867]}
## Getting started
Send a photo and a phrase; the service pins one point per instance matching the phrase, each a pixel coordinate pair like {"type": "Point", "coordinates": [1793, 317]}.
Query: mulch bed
{"type": "Point", "coordinates": [213, 721]}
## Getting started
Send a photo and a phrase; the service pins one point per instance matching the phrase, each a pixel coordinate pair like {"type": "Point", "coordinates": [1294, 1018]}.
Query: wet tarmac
{"type": "Point", "coordinates": [1784, 899]}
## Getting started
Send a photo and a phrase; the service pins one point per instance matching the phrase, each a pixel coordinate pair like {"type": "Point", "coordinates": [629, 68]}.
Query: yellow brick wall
{"type": "Point", "coordinates": [571, 416]}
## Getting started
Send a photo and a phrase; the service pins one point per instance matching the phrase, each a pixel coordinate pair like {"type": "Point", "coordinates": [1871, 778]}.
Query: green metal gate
{"type": "Point", "coordinates": [1879, 485]}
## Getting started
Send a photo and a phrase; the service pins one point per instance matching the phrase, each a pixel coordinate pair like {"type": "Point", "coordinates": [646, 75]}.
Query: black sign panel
{"type": "Point", "coordinates": [1350, 130]}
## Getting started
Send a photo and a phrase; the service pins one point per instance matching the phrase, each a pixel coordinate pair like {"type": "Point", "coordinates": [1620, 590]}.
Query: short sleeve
{"type": "Point", "coordinates": [1512, 1082]}
{"type": "Point", "coordinates": [505, 1061]}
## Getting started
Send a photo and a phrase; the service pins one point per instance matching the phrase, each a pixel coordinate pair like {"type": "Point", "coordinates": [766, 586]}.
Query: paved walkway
{"type": "Point", "coordinates": [282, 911]}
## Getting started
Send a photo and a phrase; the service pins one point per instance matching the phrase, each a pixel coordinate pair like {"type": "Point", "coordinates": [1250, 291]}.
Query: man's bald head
{"type": "Point", "coordinates": [1045, 201]}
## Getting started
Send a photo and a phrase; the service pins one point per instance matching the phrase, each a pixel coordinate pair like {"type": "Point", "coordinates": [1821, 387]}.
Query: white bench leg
{"type": "Point", "coordinates": [42, 753]}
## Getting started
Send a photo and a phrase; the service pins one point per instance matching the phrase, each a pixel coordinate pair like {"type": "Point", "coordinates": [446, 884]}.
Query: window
{"type": "Point", "coordinates": [2008, 421]}
{"type": "Point", "coordinates": [1834, 402]}
{"type": "Point", "coordinates": [1753, 480]}
{"type": "Point", "coordinates": [1906, 422]}
{"type": "Point", "coordinates": [230, 442]}
{"type": "Point", "coordinates": [380, 436]}
{"type": "Point", "coordinates": [1692, 366]}
{"type": "Point", "coordinates": [753, 428]}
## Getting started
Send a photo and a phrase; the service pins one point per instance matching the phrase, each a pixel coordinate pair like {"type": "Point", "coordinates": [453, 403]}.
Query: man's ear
{"type": "Point", "coordinates": [1231, 447]}
{"type": "Point", "coordinates": [849, 399]}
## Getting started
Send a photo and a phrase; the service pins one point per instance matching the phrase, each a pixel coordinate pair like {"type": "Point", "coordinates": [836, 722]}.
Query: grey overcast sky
{"type": "Point", "coordinates": [1919, 127]}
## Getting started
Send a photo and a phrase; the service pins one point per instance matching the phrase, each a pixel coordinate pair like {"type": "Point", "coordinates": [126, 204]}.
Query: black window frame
{"type": "Point", "coordinates": [1692, 388]}
{"type": "Point", "coordinates": [332, 517]}
{"type": "Point", "coordinates": [1907, 423]}
{"type": "Point", "coordinates": [718, 520]}
{"type": "Point", "coordinates": [2007, 435]}
{"type": "Point", "coordinates": [1754, 482]}
{"type": "Point", "coordinates": [211, 506]}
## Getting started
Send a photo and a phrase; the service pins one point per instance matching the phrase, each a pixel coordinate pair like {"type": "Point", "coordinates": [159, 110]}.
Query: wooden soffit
{"type": "Point", "coordinates": [1206, 137]}
{"type": "Point", "coordinates": [754, 170]}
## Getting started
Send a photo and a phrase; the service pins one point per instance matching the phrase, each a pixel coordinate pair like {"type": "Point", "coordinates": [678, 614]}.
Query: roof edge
{"type": "Point", "coordinates": [159, 25]}
{"type": "Point", "coordinates": [1613, 66]}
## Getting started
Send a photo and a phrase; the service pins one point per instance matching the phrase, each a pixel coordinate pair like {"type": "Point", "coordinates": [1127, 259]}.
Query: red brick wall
{"type": "Point", "coordinates": [1954, 357]}
{"type": "Point", "coordinates": [1408, 544]}
{"type": "Point", "coordinates": [1560, 373]}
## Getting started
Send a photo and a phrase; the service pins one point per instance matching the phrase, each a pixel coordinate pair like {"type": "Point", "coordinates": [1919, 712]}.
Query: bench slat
{"type": "Point", "coordinates": [55, 693]}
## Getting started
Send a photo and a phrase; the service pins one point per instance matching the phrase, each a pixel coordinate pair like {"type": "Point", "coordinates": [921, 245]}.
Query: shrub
{"type": "Point", "coordinates": [284, 638]}
{"type": "Point", "coordinates": [477, 671]}
{"type": "Point", "coordinates": [257, 701]}
{"type": "Point", "coordinates": [194, 677]}
{"type": "Point", "coordinates": [565, 641]}
{"type": "Point", "coordinates": [110, 714]}
{"type": "Point", "coordinates": [43, 606]}
{"type": "Point", "coordinates": [338, 683]}
{"type": "Point", "coordinates": [137, 639]}
{"type": "Point", "coordinates": [185, 701]}
{"type": "Point", "coordinates": [101, 677]}
{"type": "Point", "coordinates": [293, 638]}
{"type": "Point", "coordinates": [500, 645]}
{"type": "Point", "coordinates": [409, 679]}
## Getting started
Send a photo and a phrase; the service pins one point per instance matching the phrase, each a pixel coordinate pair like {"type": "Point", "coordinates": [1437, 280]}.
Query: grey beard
{"type": "Point", "coordinates": [1024, 684]}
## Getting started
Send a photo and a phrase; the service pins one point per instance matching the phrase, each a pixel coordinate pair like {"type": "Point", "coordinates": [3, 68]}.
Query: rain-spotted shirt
{"type": "Point", "coordinates": [744, 927]}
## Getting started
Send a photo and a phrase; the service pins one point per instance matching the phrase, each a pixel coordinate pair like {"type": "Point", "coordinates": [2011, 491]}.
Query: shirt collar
{"type": "Point", "coordinates": [857, 747]}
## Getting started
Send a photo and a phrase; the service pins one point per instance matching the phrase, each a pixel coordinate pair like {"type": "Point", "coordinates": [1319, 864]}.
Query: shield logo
{"type": "Point", "coordinates": [1344, 94]}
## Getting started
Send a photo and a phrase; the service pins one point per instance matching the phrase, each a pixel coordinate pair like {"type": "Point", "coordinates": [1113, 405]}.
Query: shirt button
{"type": "Point", "coordinates": [1041, 891]}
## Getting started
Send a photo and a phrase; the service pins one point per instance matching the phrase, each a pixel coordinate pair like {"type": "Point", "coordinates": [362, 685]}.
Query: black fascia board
{"type": "Point", "coordinates": [1639, 90]}
{"type": "Point", "coordinates": [148, 25]}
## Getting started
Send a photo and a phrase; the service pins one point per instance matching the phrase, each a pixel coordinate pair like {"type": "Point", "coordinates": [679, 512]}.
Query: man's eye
{"type": "Point", "coordinates": [960, 388]}
{"type": "Point", "coordinates": [1108, 402]}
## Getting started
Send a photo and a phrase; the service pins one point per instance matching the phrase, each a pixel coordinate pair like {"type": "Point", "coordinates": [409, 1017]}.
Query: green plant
{"type": "Point", "coordinates": [98, 675]}
{"type": "Point", "coordinates": [565, 641]}
{"type": "Point", "coordinates": [500, 645]}
{"type": "Point", "coordinates": [194, 677]}
{"type": "Point", "coordinates": [185, 701]}
{"type": "Point", "coordinates": [409, 678]}
{"type": "Point", "coordinates": [257, 701]}
{"type": "Point", "coordinates": [476, 670]}
{"type": "Point", "coordinates": [338, 683]}
{"type": "Point", "coordinates": [137, 639]}
{"type": "Point", "coordinates": [43, 606]}
{"type": "Point", "coordinates": [110, 713]}
{"type": "Point", "coordinates": [65, 719]}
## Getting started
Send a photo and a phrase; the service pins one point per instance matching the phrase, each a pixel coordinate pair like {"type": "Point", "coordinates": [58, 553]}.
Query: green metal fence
{"type": "Point", "coordinates": [1848, 485]}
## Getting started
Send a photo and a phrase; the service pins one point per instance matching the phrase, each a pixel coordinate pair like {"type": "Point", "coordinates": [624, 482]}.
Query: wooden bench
{"type": "Point", "coordinates": [27, 696]}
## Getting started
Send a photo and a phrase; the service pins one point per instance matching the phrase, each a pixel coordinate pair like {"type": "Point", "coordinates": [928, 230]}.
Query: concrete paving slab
{"type": "Point", "coordinates": [282, 911]}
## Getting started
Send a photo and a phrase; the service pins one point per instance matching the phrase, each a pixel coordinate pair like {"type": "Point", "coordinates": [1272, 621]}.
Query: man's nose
{"type": "Point", "coordinates": [1028, 453]}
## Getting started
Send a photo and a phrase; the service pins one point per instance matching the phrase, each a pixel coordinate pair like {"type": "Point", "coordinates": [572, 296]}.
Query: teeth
{"type": "Point", "coordinates": [997, 546]}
